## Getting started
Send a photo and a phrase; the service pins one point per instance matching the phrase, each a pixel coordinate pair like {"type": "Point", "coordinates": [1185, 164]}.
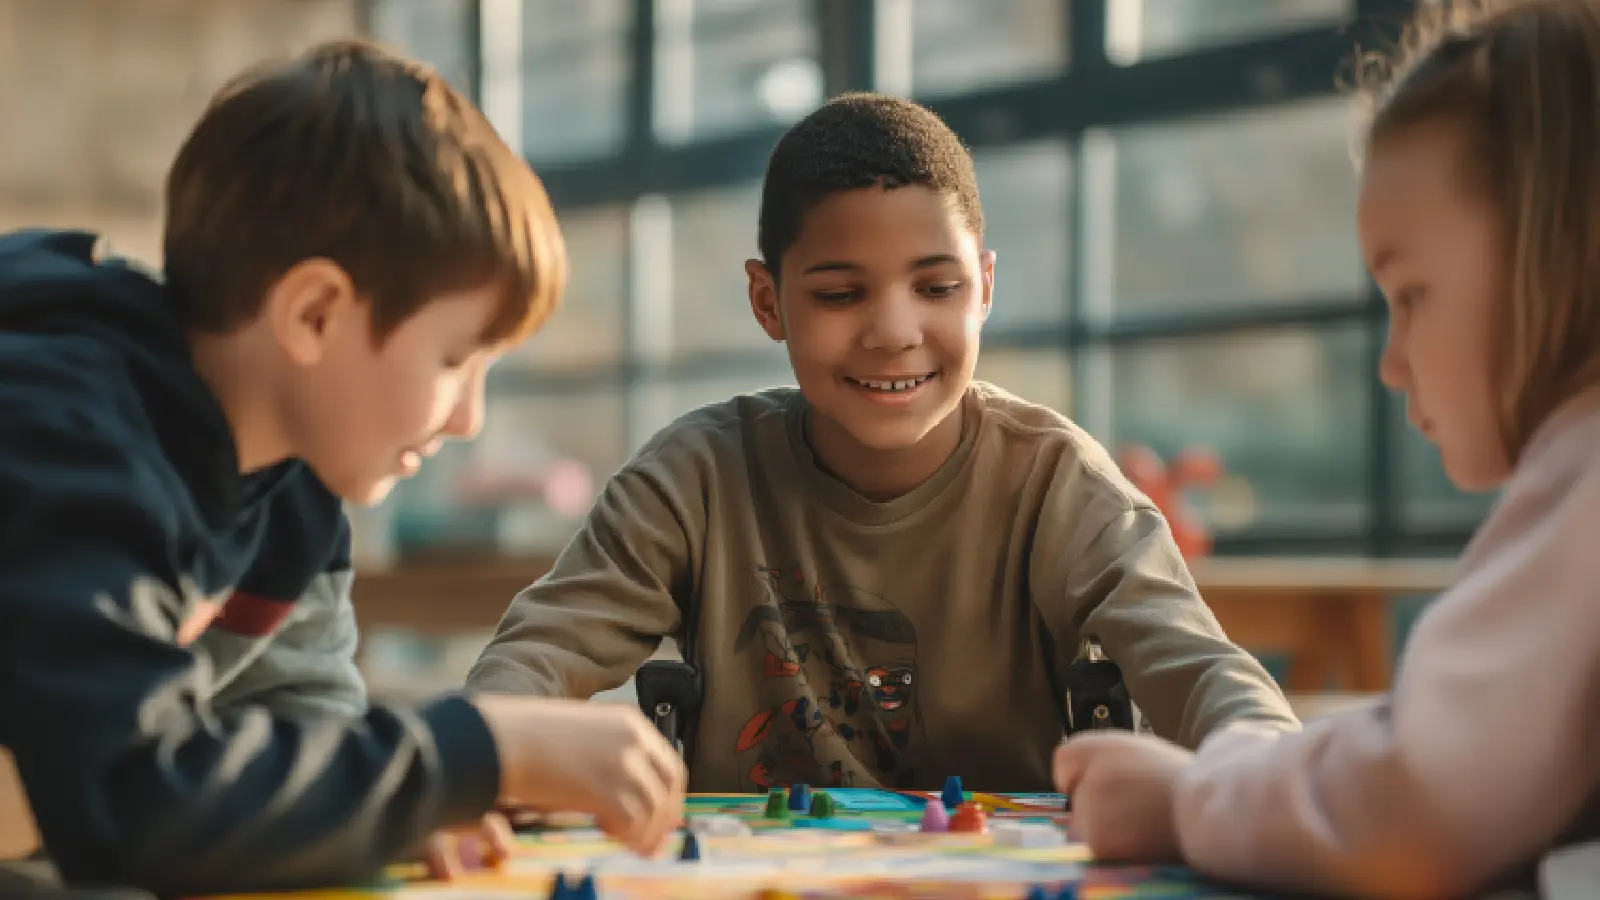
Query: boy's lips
{"type": "Point", "coordinates": [893, 390]}
{"type": "Point", "coordinates": [891, 383]}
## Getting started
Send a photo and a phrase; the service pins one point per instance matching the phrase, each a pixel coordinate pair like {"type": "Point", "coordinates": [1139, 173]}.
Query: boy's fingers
{"type": "Point", "coordinates": [1077, 753]}
{"type": "Point", "coordinates": [501, 839]}
{"type": "Point", "coordinates": [1067, 767]}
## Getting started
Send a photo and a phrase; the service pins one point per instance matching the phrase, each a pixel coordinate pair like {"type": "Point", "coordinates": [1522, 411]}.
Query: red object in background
{"type": "Point", "coordinates": [1164, 485]}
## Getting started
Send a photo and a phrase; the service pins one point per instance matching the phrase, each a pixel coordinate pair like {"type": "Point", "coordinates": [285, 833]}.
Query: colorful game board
{"type": "Point", "coordinates": [860, 844]}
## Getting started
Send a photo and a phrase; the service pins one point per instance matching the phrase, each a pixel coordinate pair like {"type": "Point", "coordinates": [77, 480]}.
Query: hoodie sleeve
{"type": "Point", "coordinates": [132, 776]}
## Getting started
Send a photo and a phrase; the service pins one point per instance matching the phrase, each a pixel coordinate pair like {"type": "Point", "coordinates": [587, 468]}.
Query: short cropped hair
{"type": "Point", "coordinates": [854, 141]}
{"type": "Point", "coordinates": [1520, 82]}
{"type": "Point", "coordinates": [354, 154]}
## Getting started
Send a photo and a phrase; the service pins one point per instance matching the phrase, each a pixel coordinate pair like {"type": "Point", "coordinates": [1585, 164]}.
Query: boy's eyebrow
{"type": "Point", "coordinates": [839, 265]}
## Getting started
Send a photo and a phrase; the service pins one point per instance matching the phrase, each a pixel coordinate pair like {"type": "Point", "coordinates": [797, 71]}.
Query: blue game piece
{"type": "Point", "coordinates": [586, 889]}
{"type": "Point", "coordinates": [953, 795]}
{"type": "Point", "coordinates": [800, 798]}
{"type": "Point", "coordinates": [1037, 892]}
{"type": "Point", "coordinates": [690, 851]}
{"type": "Point", "coordinates": [559, 890]}
{"type": "Point", "coordinates": [1068, 892]}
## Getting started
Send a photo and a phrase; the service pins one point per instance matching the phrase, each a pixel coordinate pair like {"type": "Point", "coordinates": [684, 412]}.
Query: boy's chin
{"type": "Point", "coordinates": [369, 493]}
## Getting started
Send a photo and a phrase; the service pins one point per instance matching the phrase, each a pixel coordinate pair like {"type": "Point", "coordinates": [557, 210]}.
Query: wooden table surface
{"type": "Point", "coordinates": [1331, 617]}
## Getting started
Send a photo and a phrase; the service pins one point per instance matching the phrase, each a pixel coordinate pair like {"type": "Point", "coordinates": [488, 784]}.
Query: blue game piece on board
{"type": "Point", "coordinates": [800, 798]}
{"type": "Point", "coordinates": [953, 795]}
{"type": "Point", "coordinates": [690, 851]}
{"type": "Point", "coordinates": [586, 889]}
{"type": "Point", "coordinates": [1037, 892]}
{"type": "Point", "coordinates": [559, 889]}
{"type": "Point", "coordinates": [1068, 892]}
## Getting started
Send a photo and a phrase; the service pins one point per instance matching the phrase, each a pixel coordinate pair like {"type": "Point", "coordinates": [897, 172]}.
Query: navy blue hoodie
{"type": "Point", "coordinates": [124, 524]}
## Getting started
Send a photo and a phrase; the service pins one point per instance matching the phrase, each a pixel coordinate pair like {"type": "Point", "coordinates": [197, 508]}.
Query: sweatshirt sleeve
{"type": "Point", "coordinates": [604, 607]}
{"type": "Point", "coordinates": [1127, 585]}
{"type": "Point", "coordinates": [132, 776]}
{"type": "Point", "coordinates": [1485, 754]}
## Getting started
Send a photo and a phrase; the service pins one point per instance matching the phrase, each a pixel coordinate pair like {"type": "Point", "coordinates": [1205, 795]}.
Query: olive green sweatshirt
{"type": "Point", "coordinates": [846, 642]}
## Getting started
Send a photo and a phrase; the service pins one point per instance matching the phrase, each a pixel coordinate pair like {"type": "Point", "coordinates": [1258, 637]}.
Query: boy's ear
{"type": "Point", "coordinates": [764, 298]}
{"type": "Point", "coordinates": [307, 306]}
{"type": "Point", "coordinates": [986, 266]}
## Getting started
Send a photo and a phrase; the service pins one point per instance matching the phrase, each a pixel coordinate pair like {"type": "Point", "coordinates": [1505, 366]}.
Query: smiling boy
{"type": "Point", "coordinates": [892, 566]}
{"type": "Point", "coordinates": [348, 247]}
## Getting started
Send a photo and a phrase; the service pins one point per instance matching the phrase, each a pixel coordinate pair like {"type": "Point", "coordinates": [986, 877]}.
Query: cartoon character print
{"type": "Point", "coordinates": [847, 659]}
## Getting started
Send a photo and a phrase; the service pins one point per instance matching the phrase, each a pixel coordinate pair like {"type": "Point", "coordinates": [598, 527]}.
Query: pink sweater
{"type": "Point", "coordinates": [1487, 749]}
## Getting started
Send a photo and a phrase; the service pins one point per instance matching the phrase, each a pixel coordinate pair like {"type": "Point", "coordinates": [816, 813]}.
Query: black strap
{"type": "Point", "coordinates": [670, 690]}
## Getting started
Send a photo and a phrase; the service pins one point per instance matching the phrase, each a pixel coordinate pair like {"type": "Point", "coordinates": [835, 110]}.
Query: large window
{"type": "Point", "coordinates": [1167, 184]}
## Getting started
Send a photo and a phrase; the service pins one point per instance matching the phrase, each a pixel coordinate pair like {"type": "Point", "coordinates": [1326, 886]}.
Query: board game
{"type": "Point", "coordinates": [800, 844]}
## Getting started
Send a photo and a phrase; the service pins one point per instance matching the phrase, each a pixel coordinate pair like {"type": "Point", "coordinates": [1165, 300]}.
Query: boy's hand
{"type": "Point", "coordinates": [604, 759]}
{"type": "Point", "coordinates": [1121, 789]}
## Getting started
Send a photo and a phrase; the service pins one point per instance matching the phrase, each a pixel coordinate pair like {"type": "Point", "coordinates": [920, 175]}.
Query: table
{"type": "Point", "coordinates": [1330, 616]}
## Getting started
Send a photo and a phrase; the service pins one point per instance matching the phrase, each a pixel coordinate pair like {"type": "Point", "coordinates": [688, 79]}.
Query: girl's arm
{"type": "Point", "coordinates": [1488, 748]}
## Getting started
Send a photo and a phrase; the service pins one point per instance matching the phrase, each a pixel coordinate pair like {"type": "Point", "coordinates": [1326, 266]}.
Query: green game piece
{"type": "Point", "coordinates": [821, 805]}
{"type": "Point", "coordinates": [777, 804]}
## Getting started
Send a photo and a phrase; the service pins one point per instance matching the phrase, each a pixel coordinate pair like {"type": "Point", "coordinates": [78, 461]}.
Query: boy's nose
{"type": "Point", "coordinates": [1394, 370]}
{"type": "Point", "coordinates": [896, 325]}
{"type": "Point", "coordinates": [466, 420]}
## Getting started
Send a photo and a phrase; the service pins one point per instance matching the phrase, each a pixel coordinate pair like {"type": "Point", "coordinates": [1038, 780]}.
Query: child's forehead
{"type": "Point", "coordinates": [887, 225]}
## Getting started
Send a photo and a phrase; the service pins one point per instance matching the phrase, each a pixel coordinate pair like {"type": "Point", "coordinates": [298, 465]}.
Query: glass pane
{"type": "Point", "coordinates": [1284, 410]}
{"type": "Point", "coordinates": [1038, 376]}
{"type": "Point", "coordinates": [523, 486]}
{"type": "Point", "coordinates": [1250, 209]}
{"type": "Point", "coordinates": [1027, 191]}
{"type": "Point", "coordinates": [1427, 498]}
{"type": "Point", "coordinates": [438, 32]}
{"type": "Point", "coordinates": [713, 233]}
{"type": "Point", "coordinates": [657, 404]}
{"type": "Point", "coordinates": [724, 66]}
{"type": "Point", "coordinates": [574, 69]}
{"type": "Point", "coordinates": [959, 46]}
{"type": "Point", "coordinates": [1144, 29]}
{"type": "Point", "coordinates": [587, 330]}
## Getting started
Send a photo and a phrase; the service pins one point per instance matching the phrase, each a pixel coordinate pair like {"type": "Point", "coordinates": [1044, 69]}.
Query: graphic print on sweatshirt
{"type": "Point", "coordinates": [842, 664]}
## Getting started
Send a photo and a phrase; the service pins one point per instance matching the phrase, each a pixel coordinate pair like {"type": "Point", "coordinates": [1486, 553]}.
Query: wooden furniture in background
{"type": "Point", "coordinates": [1331, 617]}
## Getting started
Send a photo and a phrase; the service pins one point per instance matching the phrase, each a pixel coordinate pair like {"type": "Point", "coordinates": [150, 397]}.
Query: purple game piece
{"type": "Point", "coordinates": [934, 818]}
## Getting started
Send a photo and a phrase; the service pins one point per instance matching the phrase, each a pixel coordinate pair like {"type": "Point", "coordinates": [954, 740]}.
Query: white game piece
{"type": "Point", "coordinates": [718, 826]}
{"type": "Point", "coordinates": [1026, 834]}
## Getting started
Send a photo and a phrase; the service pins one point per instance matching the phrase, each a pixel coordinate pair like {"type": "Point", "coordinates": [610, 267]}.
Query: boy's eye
{"type": "Point", "coordinates": [943, 289]}
{"type": "Point", "coordinates": [842, 296]}
{"type": "Point", "coordinates": [1405, 297]}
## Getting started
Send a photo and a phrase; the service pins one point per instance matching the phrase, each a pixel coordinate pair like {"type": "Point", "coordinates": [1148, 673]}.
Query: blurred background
{"type": "Point", "coordinates": [1168, 187]}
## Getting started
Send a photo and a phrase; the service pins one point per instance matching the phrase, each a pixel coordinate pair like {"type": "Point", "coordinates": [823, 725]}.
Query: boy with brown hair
{"type": "Point", "coordinates": [348, 247]}
{"type": "Point", "coordinates": [885, 576]}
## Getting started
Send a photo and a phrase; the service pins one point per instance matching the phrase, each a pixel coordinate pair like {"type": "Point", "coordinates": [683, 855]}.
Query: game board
{"type": "Point", "coordinates": [870, 844]}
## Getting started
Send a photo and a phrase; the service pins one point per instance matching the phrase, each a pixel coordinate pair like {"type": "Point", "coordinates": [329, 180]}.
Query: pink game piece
{"type": "Point", "coordinates": [934, 819]}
